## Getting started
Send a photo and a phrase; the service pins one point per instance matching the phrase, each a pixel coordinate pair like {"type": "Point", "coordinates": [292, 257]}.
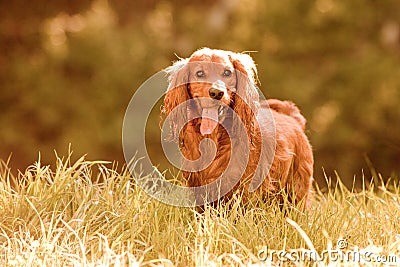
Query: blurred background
{"type": "Point", "coordinates": [68, 69]}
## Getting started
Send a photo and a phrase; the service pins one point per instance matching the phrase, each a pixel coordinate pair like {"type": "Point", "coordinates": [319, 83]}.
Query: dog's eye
{"type": "Point", "coordinates": [227, 73]}
{"type": "Point", "coordinates": [200, 74]}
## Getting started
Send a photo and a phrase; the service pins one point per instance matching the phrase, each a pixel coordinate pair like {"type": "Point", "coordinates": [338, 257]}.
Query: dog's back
{"type": "Point", "coordinates": [285, 107]}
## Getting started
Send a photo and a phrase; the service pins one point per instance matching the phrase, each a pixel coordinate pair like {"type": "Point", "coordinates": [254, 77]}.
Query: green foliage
{"type": "Point", "coordinates": [69, 69]}
{"type": "Point", "coordinates": [84, 213]}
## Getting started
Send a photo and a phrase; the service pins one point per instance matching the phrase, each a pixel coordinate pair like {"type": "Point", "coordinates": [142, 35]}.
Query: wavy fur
{"type": "Point", "coordinates": [286, 164]}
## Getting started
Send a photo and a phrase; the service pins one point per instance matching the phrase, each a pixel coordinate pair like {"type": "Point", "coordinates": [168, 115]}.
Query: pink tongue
{"type": "Point", "coordinates": [209, 120]}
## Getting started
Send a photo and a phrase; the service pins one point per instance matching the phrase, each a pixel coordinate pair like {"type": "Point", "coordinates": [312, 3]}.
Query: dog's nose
{"type": "Point", "coordinates": [216, 93]}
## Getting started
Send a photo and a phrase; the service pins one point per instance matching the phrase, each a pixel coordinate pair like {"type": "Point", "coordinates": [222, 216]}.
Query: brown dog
{"type": "Point", "coordinates": [256, 144]}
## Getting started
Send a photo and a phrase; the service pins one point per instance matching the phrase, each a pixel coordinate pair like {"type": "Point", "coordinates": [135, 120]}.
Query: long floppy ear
{"type": "Point", "coordinates": [177, 93]}
{"type": "Point", "coordinates": [246, 103]}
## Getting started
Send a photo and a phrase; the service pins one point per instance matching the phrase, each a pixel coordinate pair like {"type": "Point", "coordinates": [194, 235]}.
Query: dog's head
{"type": "Point", "coordinates": [215, 80]}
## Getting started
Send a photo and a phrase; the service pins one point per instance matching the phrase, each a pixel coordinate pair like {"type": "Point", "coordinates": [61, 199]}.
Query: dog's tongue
{"type": "Point", "coordinates": [209, 120]}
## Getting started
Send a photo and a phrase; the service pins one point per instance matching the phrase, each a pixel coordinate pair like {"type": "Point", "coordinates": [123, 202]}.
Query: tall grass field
{"type": "Point", "coordinates": [85, 213]}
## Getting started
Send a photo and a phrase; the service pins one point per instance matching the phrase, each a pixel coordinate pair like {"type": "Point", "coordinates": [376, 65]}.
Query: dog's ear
{"type": "Point", "coordinates": [246, 103]}
{"type": "Point", "coordinates": [176, 94]}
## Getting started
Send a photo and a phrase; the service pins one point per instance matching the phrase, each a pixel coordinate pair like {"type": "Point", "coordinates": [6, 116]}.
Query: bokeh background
{"type": "Point", "coordinates": [68, 69]}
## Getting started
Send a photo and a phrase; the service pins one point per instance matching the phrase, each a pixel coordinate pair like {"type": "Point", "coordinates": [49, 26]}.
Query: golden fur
{"type": "Point", "coordinates": [291, 168]}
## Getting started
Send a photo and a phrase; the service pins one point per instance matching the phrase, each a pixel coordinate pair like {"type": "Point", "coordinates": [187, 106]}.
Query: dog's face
{"type": "Point", "coordinates": [215, 80]}
{"type": "Point", "coordinates": [211, 77]}
{"type": "Point", "coordinates": [212, 83]}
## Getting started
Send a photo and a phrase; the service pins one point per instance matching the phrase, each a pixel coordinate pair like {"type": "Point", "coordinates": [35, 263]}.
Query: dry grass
{"type": "Point", "coordinates": [64, 216]}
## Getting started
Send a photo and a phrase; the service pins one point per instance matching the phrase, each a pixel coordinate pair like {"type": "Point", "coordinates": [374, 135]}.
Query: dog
{"type": "Point", "coordinates": [227, 134]}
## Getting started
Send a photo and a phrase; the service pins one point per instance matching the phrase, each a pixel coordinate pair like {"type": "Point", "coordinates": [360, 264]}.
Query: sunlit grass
{"type": "Point", "coordinates": [87, 214]}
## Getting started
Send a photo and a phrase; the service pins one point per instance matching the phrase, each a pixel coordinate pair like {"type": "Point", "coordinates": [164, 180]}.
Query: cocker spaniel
{"type": "Point", "coordinates": [230, 139]}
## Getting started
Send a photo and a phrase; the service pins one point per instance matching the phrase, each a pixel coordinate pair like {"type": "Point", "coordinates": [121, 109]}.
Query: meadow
{"type": "Point", "coordinates": [69, 70]}
{"type": "Point", "coordinates": [86, 213]}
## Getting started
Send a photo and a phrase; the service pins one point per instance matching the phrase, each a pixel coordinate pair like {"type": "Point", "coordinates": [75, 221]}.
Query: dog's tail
{"type": "Point", "coordinates": [287, 108]}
